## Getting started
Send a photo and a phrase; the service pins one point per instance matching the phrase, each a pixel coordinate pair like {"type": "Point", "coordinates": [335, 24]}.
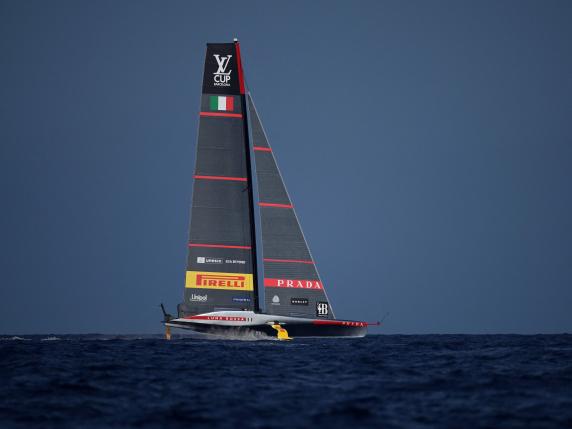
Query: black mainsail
{"type": "Point", "coordinates": [222, 285]}
{"type": "Point", "coordinates": [221, 267]}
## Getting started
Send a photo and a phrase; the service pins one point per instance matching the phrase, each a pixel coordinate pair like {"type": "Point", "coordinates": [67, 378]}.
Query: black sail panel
{"type": "Point", "coordinates": [292, 284]}
{"type": "Point", "coordinates": [221, 262]}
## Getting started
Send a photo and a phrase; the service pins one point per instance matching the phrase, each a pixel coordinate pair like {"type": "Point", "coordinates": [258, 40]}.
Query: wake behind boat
{"type": "Point", "coordinates": [222, 287]}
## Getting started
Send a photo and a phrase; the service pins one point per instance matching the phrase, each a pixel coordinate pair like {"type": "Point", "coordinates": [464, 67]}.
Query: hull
{"type": "Point", "coordinates": [246, 323]}
{"type": "Point", "coordinates": [311, 330]}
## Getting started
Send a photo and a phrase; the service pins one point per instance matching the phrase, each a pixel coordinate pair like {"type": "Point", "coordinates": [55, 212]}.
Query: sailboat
{"type": "Point", "coordinates": [225, 289]}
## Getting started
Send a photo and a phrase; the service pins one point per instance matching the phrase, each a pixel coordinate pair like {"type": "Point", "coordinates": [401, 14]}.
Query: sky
{"type": "Point", "coordinates": [427, 147]}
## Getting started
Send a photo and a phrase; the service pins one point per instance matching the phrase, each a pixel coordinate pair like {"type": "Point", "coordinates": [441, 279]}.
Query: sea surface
{"type": "Point", "coordinates": [381, 381]}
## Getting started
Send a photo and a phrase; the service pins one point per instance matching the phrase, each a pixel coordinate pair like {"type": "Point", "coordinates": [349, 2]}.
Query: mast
{"type": "Point", "coordinates": [249, 177]}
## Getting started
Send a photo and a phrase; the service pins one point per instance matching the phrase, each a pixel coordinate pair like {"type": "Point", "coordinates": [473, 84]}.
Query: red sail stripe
{"type": "Point", "coordinates": [221, 246]}
{"type": "Point", "coordinates": [237, 179]}
{"type": "Point", "coordinates": [262, 149]}
{"type": "Point", "coordinates": [239, 65]}
{"type": "Point", "coordinates": [227, 115]}
{"type": "Point", "coordinates": [296, 261]}
{"type": "Point", "coordinates": [282, 206]}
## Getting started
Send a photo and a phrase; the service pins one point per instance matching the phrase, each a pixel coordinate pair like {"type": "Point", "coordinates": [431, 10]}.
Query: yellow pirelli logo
{"type": "Point", "coordinates": [224, 281]}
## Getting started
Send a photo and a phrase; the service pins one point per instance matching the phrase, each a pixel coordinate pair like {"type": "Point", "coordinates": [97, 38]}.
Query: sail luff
{"type": "Point", "coordinates": [250, 179]}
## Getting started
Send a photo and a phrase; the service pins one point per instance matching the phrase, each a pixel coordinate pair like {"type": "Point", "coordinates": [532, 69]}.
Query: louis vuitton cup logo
{"type": "Point", "coordinates": [222, 76]}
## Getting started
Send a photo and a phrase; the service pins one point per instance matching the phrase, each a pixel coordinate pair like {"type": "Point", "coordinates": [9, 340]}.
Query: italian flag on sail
{"type": "Point", "coordinates": [222, 103]}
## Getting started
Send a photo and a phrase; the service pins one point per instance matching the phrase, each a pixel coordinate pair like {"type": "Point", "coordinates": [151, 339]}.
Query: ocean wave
{"type": "Point", "coordinates": [51, 338]}
{"type": "Point", "coordinates": [15, 338]}
{"type": "Point", "coordinates": [379, 381]}
{"type": "Point", "coordinates": [238, 335]}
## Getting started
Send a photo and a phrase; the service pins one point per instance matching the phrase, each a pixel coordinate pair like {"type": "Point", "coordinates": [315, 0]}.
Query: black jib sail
{"type": "Point", "coordinates": [292, 284]}
{"type": "Point", "coordinates": [221, 268]}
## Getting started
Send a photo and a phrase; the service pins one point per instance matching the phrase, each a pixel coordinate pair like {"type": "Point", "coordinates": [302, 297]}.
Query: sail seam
{"type": "Point", "coordinates": [227, 115]}
{"type": "Point", "coordinates": [237, 179]}
{"type": "Point", "coordinates": [294, 261]}
{"type": "Point", "coordinates": [222, 246]}
{"type": "Point", "coordinates": [282, 206]}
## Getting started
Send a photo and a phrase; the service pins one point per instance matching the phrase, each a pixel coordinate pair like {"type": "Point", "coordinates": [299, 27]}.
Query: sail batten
{"type": "Point", "coordinates": [223, 115]}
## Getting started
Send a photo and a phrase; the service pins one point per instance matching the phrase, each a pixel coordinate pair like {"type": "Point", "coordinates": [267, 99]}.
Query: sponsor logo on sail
{"type": "Point", "coordinates": [198, 298]}
{"type": "Point", "coordinates": [221, 281]}
{"type": "Point", "coordinates": [297, 284]}
{"type": "Point", "coordinates": [222, 76]}
{"type": "Point", "coordinates": [299, 301]}
{"type": "Point", "coordinates": [240, 299]}
{"type": "Point", "coordinates": [206, 260]}
{"type": "Point", "coordinates": [322, 309]}
{"type": "Point", "coordinates": [275, 300]}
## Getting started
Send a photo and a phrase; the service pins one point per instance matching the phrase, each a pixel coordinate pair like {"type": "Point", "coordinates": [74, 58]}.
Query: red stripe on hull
{"type": "Point", "coordinates": [235, 179]}
{"type": "Point", "coordinates": [226, 115]}
{"type": "Point", "coordinates": [219, 246]}
{"type": "Point", "coordinates": [262, 149]}
{"type": "Point", "coordinates": [339, 323]}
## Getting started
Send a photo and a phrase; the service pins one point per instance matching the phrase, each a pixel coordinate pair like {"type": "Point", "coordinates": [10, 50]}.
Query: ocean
{"type": "Point", "coordinates": [389, 381]}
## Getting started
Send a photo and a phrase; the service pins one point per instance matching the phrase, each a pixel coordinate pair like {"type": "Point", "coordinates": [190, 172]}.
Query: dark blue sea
{"type": "Point", "coordinates": [390, 381]}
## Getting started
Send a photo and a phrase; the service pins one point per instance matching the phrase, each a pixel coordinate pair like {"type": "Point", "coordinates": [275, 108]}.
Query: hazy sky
{"type": "Point", "coordinates": [427, 147]}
